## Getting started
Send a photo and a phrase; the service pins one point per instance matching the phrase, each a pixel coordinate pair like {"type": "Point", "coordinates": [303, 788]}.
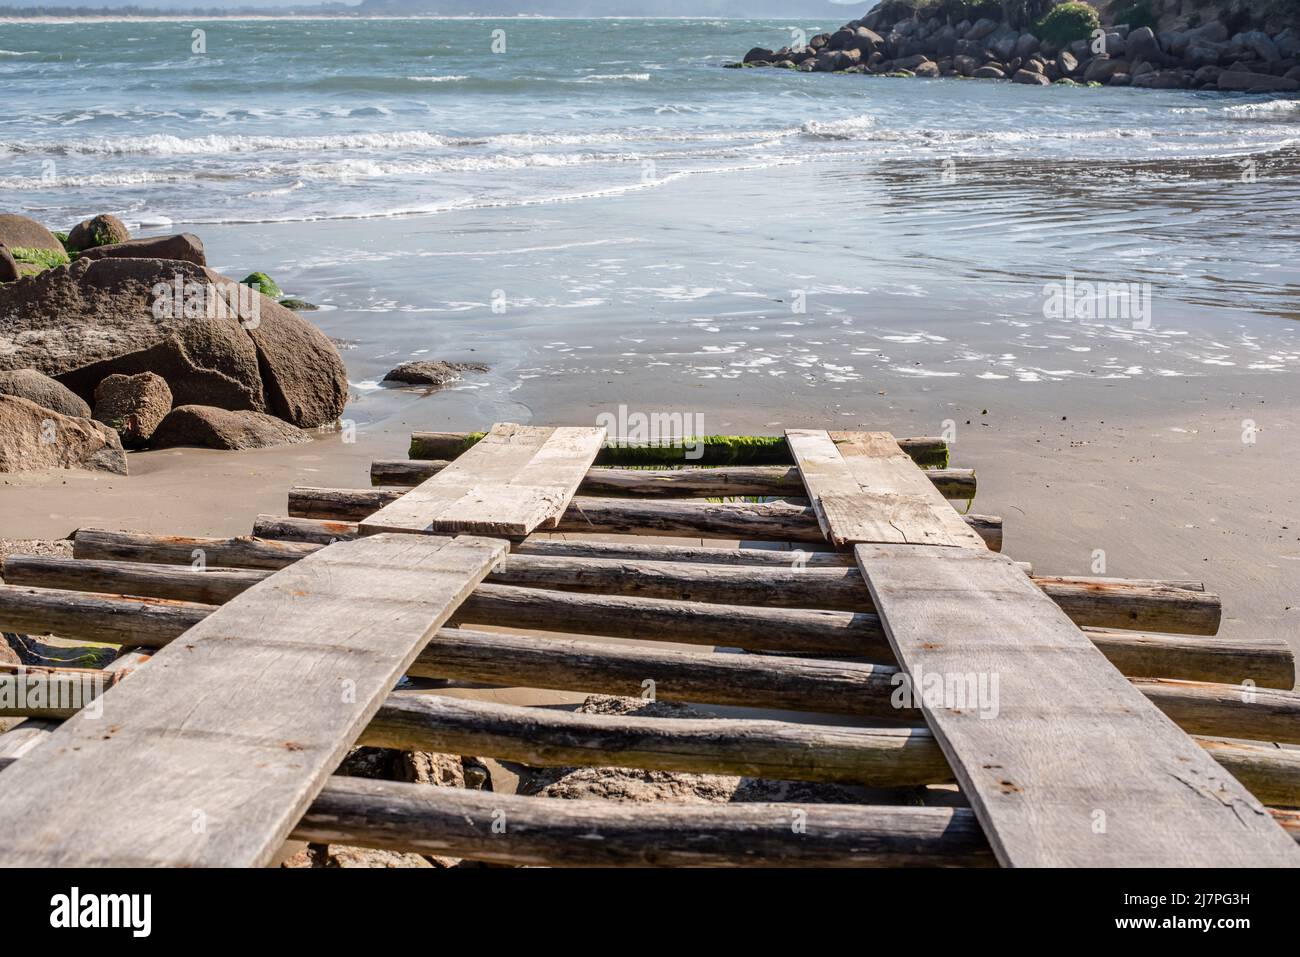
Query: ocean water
{"type": "Point", "coordinates": [601, 212]}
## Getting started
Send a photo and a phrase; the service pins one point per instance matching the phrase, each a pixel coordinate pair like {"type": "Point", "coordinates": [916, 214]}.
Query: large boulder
{"type": "Point", "coordinates": [46, 392]}
{"type": "Point", "coordinates": [34, 438]}
{"type": "Point", "coordinates": [1101, 69]}
{"type": "Point", "coordinates": [133, 405]}
{"type": "Point", "coordinates": [1030, 78]}
{"type": "Point", "coordinates": [215, 341]}
{"type": "Point", "coordinates": [103, 230]}
{"type": "Point", "coordinates": [9, 271]}
{"type": "Point", "coordinates": [981, 28]}
{"type": "Point", "coordinates": [1256, 82]}
{"type": "Point", "coordinates": [19, 232]}
{"type": "Point", "coordinates": [185, 246]}
{"type": "Point", "coordinates": [213, 428]}
{"type": "Point", "coordinates": [758, 55]}
{"type": "Point", "coordinates": [1259, 43]}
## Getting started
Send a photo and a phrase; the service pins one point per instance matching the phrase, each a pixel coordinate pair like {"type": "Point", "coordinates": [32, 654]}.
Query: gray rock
{"type": "Point", "coordinates": [989, 72]}
{"type": "Point", "coordinates": [1066, 62]}
{"type": "Point", "coordinates": [1026, 45]}
{"type": "Point", "coordinates": [1207, 76]}
{"type": "Point", "coordinates": [33, 438]}
{"type": "Point", "coordinates": [1031, 78]}
{"type": "Point", "coordinates": [46, 392]}
{"type": "Point", "coordinates": [981, 29]}
{"type": "Point", "coordinates": [758, 55]}
{"type": "Point", "coordinates": [185, 247]}
{"type": "Point", "coordinates": [133, 406]}
{"type": "Point", "coordinates": [1004, 45]}
{"type": "Point", "coordinates": [1288, 44]}
{"type": "Point", "coordinates": [84, 322]}
{"type": "Point", "coordinates": [1256, 82]}
{"type": "Point", "coordinates": [965, 65]}
{"type": "Point", "coordinates": [432, 372]}
{"type": "Point", "coordinates": [1101, 69]}
{"type": "Point", "coordinates": [927, 68]}
{"type": "Point", "coordinates": [1258, 42]}
{"type": "Point", "coordinates": [1141, 43]}
{"type": "Point", "coordinates": [1161, 80]}
{"type": "Point", "coordinates": [213, 428]}
{"type": "Point", "coordinates": [1203, 53]}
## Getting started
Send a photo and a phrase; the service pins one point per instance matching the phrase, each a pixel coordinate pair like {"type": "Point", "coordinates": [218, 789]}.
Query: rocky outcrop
{"type": "Point", "coordinates": [34, 438]}
{"type": "Point", "coordinates": [185, 247]}
{"type": "Point", "coordinates": [432, 372]}
{"type": "Point", "coordinates": [215, 341]}
{"type": "Point", "coordinates": [46, 392]}
{"type": "Point", "coordinates": [1257, 54]}
{"type": "Point", "coordinates": [133, 406]}
{"type": "Point", "coordinates": [19, 232]}
{"type": "Point", "coordinates": [102, 230]}
{"type": "Point", "coordinates": [213, 428]}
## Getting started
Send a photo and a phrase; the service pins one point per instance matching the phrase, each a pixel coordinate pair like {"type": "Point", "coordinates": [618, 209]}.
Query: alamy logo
{"type": "Point", "coordinates": [949, 691]}
{"type": "Point", "coordinates": [179, 299]}
{"type": "Point", "coordinates": [42, 690]}
{"type": "Point", "coordinates": [1128, 301]}
{"type": "Point", "coordinates": [670, 429]}
{"type": "Point", "coordinates": [72, 910]}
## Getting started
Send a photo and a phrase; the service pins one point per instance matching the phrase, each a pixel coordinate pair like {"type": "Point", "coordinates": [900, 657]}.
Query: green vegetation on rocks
{"type": "Point", "coordinates": [1136, 15]}
{"type": "Point", "coordinates": [263, 284]}
{"type": "Point", "coordinates": [1067, 23]}
{"type": "Point", "coordinates": [41, 259]}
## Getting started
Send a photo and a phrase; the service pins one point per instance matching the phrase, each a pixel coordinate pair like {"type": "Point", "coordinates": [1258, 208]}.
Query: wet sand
{"type": "Point", "coordinates": [1162, 484]}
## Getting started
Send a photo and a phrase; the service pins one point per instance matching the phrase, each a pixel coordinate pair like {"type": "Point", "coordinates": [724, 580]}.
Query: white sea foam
{"type": "Point", "coordinates": [454, 78]}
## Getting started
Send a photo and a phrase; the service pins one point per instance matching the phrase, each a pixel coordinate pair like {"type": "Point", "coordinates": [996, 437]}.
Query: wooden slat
{"type": "Point", "coordinates": [210, 755]}
{"type": "Point", "coordinates": [1066, 764]}
{"type": "Point", "coordinates": [864, 488]}
{"type": "Point", "coordinates": [519, 478]}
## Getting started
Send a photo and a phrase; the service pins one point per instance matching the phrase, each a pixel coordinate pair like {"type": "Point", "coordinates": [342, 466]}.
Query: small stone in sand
{"type": "Point", "coordinates": [432, 372]}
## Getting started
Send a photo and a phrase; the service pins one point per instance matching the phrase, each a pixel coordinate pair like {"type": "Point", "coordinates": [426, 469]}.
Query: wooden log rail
{"type": "Point", "coordinates": [1256, 713]}
{"type": "Point", "coordinates": [694, 518]}
{"type": "Point", "coordinates": [719, 481]}
{"type": "Point", "coordinates": [779, 750]}
{"type": "Point", "coordinates": [926, 451]}
{"type": "Point", "coordinates": [1100, 603]}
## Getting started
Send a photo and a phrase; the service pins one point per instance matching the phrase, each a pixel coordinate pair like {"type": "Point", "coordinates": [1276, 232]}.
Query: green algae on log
{"type": "Point", "coordinates": [705, 450]}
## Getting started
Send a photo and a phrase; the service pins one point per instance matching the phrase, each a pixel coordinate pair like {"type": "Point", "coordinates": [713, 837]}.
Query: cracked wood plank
{"type": "Point", "coordinates": [210, 755]}
{"type": "Point", "coordinates": [1064, 762]}
{"type": "Point", "coordinates": [517, 479]}
{"type": "Point", "coordinates": [864, 488]}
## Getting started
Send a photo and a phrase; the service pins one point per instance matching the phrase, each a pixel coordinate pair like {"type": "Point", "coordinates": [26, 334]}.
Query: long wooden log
{"type": "Point", "coordinates": [1264, 714]}
{"type": "Point", "coordinates": [1108, 603]}
{"type": "Point", "coordinates": [723, 481]}
{"type": "Point", "coordinates": [760, 624]}
{"type": "Point", "coordinates": [542, 737]}
{"type": "Point", "coordinates": [708, 450]}
{"type": "Point", "coordinates": [758, 521]}
{"type": "Point", "coordinates": [1267, 663]}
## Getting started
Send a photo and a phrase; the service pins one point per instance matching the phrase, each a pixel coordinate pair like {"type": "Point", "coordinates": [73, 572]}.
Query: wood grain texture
{"type": "Point", "coordinates": [863, 488]}
{"type": "Point", "coordinates": [517, 479]}
{"type": "Point", "coordinates": [1066, 764]}
{"type": "Point", "coordinates": [713, 481]}
{"type": "Point", "coordinates": [691, 518]}
{"type": "Point", "coordinates": [219, 745]}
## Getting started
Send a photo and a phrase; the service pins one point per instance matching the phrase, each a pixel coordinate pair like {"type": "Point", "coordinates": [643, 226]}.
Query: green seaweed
{"type": "Point", "coordinates": [42, 259]}
{"type": "Point", "coordinates": [705, 450]}
{"type": "Point", "coordinates": [263, 284]}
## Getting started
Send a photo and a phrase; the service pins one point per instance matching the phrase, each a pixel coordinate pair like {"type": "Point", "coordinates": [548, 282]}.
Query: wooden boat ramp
{"type": "Point", "coordinates": [1067, 721]}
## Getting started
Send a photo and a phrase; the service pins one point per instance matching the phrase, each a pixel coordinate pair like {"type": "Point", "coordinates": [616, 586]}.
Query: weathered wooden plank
{"type": "Point", "coordinates": [863, 488]}
{"type": "Point", "coordinates": [219, 745]}
{"type": "Point", "coordinates": [519, 478]}
{"type": "Point", "coordinates": [1062, 759]}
